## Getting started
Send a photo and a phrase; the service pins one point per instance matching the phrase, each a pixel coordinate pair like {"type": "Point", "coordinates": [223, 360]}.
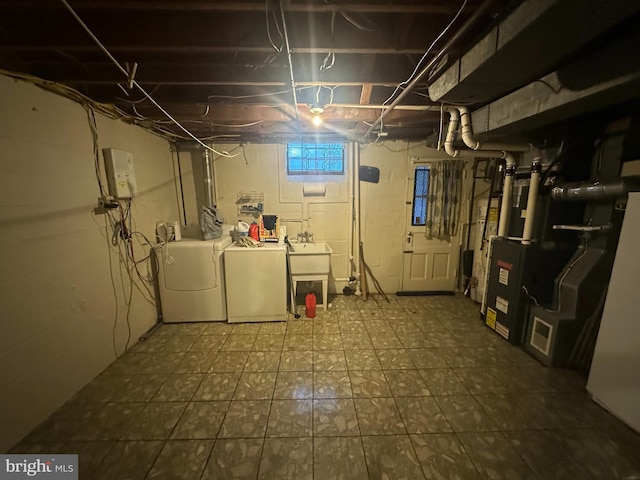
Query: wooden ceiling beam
{"type": "Point", "coordinates": [227, 114]}
{"type": "Point", "coordinates": [225, 32]}
{"type": "Point", "coordinates": [444, 8]}
{"type": "Point", "coordinates": [207, 49]}
{"type": "Point", "coordinates": [365, 95]}
{"type": "Point", "coordinates": [101, 74]}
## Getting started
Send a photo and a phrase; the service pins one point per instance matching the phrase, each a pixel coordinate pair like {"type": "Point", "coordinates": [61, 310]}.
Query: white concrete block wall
{"type": "Point", "coordinates": [57, 306]}
{"type": "Point", "coordinates": [384, 209]}
{"type": "Point", "coordinates": [261, 168]}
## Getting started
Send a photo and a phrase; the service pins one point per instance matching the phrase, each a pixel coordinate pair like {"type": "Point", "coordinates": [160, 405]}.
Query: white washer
{"type": "Point", "coordinates": [191, 279]}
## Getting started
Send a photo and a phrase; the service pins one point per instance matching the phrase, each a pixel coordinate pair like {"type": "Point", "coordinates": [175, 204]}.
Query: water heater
{"type": "Point", "coordinates": [121, 178]}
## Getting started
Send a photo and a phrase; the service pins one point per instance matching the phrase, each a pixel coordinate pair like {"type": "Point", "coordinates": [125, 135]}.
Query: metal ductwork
{"type": "Point", "coordinates": [595, 192]}
{"type": "Point", "coordinates": [606, 76]}
{"type": "Point", "coordinates": [209, 194]}
{"type": "Point", "coordinates": [529, 43]}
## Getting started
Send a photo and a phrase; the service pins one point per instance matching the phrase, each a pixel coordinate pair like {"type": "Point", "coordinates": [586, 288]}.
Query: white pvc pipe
{"type": "Point", "coordinates": [505, 207]}
{"type": "Point", "coordinates": [475, 144]}
{"type": "Point", "coordinates": [358, 237]}
{"type": "Point", "coordinates": [454, 120]}
{"type": "Point", "coordinates": [532, 201]}
{"type": "Point", "coordinates": [350, 189]}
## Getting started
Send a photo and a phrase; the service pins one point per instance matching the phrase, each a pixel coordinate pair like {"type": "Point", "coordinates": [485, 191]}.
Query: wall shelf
{"type": "Point", "coordinates": [250, 203]}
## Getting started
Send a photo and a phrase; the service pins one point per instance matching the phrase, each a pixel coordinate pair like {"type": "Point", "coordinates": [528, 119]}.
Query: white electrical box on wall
{"type": "Point", "coordinates": [121, 178]}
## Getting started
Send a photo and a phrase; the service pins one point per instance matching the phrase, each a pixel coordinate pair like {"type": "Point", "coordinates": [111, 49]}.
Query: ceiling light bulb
{"type": "Point", "coordinates": [316, 109]}
{"type": "Point", "coordinates": [317, 120]}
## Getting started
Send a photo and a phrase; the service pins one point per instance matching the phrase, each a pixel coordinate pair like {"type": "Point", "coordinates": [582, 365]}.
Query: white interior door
{"type": "Point", "coordinates": [428, 264]}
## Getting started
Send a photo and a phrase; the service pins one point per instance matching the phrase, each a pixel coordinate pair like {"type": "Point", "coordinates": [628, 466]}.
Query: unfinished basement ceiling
{"type": "Point", "coordinates": [225, 70]}
{"type": "Point", "coordinates": [222, 69]}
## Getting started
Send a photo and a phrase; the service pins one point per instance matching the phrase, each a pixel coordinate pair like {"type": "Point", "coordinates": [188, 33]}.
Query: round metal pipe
{"type": "Point", "coordinates": [594, 192]}
{"type": "Point", "coordinates": [209, 198]}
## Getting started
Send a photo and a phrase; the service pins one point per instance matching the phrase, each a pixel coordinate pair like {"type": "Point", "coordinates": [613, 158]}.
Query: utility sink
{"type": "Point", "coordinates": [310, 258]}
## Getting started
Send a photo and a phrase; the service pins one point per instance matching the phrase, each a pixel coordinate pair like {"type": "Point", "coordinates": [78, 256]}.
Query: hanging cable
{"type": "Point", "coordinates": [134, 83]}
{"type": "Point", "coordinates": [290, 62]}
{"type": "Point", "coordinates": [415, 70]}
{"type": "Point", "coordinates": [328, 61]}
{"type": "Point", "coordinates": [266, 14]}
{"type": "Point", "coordinates": [468, 24]}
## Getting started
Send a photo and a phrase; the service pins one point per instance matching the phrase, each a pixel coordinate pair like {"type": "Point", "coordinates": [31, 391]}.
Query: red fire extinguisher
{"type": "Point", "coordinates": [310, 302]}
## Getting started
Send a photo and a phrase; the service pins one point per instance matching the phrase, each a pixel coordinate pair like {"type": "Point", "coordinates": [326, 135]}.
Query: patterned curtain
{"type": "Point", "coordinates": [445, 198]}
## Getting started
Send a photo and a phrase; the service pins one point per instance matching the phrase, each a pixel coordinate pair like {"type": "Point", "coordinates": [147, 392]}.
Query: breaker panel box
{"type": "Point", "coordinates": [121, 178]}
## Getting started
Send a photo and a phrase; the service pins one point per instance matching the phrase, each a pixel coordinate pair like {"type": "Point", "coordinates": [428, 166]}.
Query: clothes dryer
{"type": "Point", "coordinates": [191, 279]}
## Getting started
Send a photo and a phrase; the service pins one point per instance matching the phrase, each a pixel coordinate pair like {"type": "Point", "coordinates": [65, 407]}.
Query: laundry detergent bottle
{"type": "Point", "coordinates": [254, 232]}
{"type": "Point", "coordinates": [242, 228]}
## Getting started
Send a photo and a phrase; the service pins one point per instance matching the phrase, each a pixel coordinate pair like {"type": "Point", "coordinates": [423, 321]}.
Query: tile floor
{"type": "Point", "coordinates": [416, 388]}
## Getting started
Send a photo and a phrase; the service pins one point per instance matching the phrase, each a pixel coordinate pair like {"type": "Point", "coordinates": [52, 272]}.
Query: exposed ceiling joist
{"type": "Point", "coordinates": [249, 6]}
{"type": "Point", "coordinates": [224, 60]}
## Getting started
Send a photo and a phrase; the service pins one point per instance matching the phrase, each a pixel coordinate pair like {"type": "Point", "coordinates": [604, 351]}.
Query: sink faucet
{"type": "Point", "coordinates": [305, 237]}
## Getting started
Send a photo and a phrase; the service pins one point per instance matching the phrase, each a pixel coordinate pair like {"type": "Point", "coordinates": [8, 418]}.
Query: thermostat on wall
{"type": "Point", "coordinates": [121, 178]}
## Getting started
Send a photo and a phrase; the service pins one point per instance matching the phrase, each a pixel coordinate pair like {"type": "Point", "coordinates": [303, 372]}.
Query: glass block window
{"type": "Point", "coordinates": [315, 158]}
{"type": "Point", "coordinates": [420, 196]}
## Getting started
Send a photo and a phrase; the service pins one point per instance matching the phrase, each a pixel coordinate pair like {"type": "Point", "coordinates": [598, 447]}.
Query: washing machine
{"type": "Point", "coordinates": [191, 279]}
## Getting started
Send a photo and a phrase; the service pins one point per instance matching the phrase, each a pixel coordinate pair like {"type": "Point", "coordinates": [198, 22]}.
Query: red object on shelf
{"type": "Point", "coordinates": [310, 302]}
{"type": "Point", "coordinates": [253, 231]}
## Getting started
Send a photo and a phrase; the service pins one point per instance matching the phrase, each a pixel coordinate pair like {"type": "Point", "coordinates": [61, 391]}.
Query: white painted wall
{"type": "Point", "coordinates": [57, 306]}
{"type": "Point", "coordinates": [261, 169]}
{"type": "Point", "coordinates": [384, 208]}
